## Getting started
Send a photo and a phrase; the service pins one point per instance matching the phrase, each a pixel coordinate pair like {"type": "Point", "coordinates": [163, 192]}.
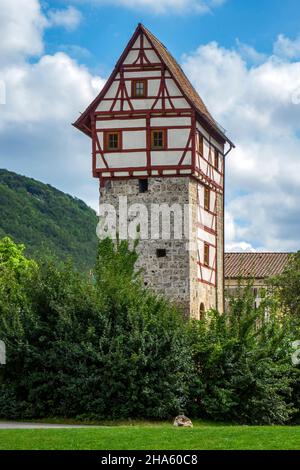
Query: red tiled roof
{"type": "Point", "coordinates": [177, 72]}
{"type": "Point", "coordinates": [83, 122]}
{"type": "Point", "coordinates": [255, 265]}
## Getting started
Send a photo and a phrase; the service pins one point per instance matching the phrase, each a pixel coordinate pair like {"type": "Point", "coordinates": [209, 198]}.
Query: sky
{"type": "Point", "coordinates": [242, 56]}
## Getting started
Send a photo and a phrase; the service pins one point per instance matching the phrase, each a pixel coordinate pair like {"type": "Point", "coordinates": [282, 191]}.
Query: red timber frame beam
{"type": "Point", "coordinates": [213, 268]}
{"type": "Point", "coordinates": [98, 151]}
{"type": "Point", "coordinates": [208, 177]}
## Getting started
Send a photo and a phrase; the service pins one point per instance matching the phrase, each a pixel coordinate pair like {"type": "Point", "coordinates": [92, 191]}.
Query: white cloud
{"type": "Point", "coordinates": [249, 53]}
{"type": "Point", "coordinates": [21, 27]}
{"type": "Point", "coordinates": [256, 105]}
{"type": "Point", "coordinates": [43, 98]}
{"type": "Point", "coordinates": [162, 6]}
{"type": "Point", "coordinates": [69, 18]}
{"type": "Point", "coordinates": [287, 48]}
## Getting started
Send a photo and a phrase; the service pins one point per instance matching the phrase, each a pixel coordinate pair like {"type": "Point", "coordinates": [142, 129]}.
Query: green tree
{"type": "Point", "coordinates": [99, 348]}
{"type": "Point", "coordinates": [243, 369]}
{"type": "Point", "coordinates": [287, 286]}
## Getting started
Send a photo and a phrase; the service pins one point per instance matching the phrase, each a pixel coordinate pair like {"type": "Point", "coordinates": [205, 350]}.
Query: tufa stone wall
{"type": "Point", "coordinates": [175, 275]}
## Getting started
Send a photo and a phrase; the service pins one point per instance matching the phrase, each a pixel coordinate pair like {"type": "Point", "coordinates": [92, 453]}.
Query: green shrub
{"type": "Point", "coordinates": [99, 348]}
{"type": "Point", "coordinates": [243, 370]}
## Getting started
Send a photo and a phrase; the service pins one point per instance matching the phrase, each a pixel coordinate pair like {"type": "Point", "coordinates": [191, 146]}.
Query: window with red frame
{"type": "Point", "coordinates": [139, 88]}
{"type": "Point", "coordinates": [112, 140]}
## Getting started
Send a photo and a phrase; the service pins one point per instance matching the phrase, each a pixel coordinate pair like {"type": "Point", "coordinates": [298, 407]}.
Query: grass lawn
{"type": "Point", "coordinates": [152, 436]}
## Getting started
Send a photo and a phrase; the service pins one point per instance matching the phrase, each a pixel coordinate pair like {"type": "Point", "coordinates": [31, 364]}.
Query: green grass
{"type": "Point", "coordinates": [154, 436]}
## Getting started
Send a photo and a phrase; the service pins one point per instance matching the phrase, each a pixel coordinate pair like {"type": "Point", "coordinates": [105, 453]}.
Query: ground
{"type": "Point", "coordinates": [153, 436]}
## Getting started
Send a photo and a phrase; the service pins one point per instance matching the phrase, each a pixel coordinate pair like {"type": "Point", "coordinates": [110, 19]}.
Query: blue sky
{"type": "Point", "coordinates": [105, 29]}
{"type": "Point", "coordinates": [242, 56]}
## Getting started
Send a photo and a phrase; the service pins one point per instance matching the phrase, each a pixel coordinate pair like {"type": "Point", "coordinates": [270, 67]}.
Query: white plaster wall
{"type": "Point", "coordinates": [153, 87]}
{"type": "Point", "coordinates": [172, 87]}
{"type": "Point", "coordinates": [131, 57]}
{"type": "Point", "coordinates": [121, 123]}
{"type": "Point", "coordinates": [142, 74]}
{"type": "Point", "coordinates": [134, 139]}
{"type": "Point", "coordinates": [171, 121]}
{"type": "Point", "coordinates": [126, 160]}
{"type": "Point", "coordinates": [178, 138]}
{"type": "Point", "coordinates": [180, 103]}
{"type": "Point", "coordinates": [112, 91]}
{"type": "Point", "coordinates": [168, 157]}
{"type": "Point", "coordinates": [152, 56]}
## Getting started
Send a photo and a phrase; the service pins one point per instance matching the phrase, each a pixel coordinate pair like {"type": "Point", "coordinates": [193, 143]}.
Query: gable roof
{"type": "Point", "coordinates": [255, 265]}
{"type": "Point", "coordinates": [83, 122]}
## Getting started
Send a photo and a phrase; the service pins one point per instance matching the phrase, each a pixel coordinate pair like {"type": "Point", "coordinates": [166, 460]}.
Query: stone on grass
{"type": "Point", "coordinates": [183, 421]}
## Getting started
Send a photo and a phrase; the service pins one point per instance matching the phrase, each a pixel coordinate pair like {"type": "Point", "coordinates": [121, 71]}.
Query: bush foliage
{"type": "Point", "coordinates": [99, 348]}
{"type": "Point", "coordinates": [243, 363]}
{"type": "Point", "coordinates": [105, 347]}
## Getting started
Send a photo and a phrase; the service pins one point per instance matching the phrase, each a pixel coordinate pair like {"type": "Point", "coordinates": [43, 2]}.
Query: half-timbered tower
{"type": "Point", "coordinates": [155, 142]}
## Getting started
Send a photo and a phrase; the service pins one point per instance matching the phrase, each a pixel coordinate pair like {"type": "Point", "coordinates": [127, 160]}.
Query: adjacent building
{"type": "Point", "coordinates": [256, 268]}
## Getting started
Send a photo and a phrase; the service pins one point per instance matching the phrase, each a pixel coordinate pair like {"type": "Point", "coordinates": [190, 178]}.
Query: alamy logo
{"type": "Point", "coordinates": [154, 222]}
{"type": "Point", "coordinates": [2, 353]}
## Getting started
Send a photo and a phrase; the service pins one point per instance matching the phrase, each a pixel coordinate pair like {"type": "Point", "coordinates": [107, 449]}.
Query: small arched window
{"type": "Point", "coordinates": [202, 311]}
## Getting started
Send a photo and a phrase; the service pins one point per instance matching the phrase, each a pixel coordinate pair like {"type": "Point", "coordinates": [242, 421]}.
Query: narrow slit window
{"type": "Point", "coordinates": [202, 311]}
{"type": "Point", "coordinates": [112, 141]}
{"type": "Point", "coordinates": [216, 154]}
{"type": "Point", "coordinates": [206, 199]}
{"type": "Point", "coordinates": [139, 88]}
{"type": "Point", "coordinates": [201, 145]}
{"type": "Point", "coordinates": [206, 254]}
{"type": "Point", "coordinates": [143, 185]}
{"type": "Point", "coordinates": [157, 140]}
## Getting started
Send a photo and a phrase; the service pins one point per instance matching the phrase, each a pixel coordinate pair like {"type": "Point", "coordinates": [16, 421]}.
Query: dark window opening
{"type": "Point", "coordinates": [161, 252]}
{"type": "Point", "coordinates": [201, 145]}
{"type": "Point", "coordinates": [157, 140]}
{"type": "Point", "coordinates": [216, 159]}
{"type": "Point", "coordinates": [113, 141]}
{"type": "Point", "coordinates": [206, 199]}
{"type": "Point", "coordinates": [206, 254]}
{"type": "Point", "coordinates": [107, 185]}
{"type": "Point", "coordinates": [202, 311]}
{"type": "Point", "coordinates": [143, 185]}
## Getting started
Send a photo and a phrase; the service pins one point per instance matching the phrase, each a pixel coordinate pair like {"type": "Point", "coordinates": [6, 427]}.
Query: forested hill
{"type": "Point", "coordinates": [47, 220]}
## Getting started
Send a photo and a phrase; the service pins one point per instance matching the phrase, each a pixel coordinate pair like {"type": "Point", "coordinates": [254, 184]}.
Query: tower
{"type": "Point", "coordinates": [154, 143]}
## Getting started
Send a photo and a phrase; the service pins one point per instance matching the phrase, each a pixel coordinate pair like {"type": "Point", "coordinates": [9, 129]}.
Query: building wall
{"type": "Point", "coordinates": [177, 275]}
{"type": "Point", "coordinates": [135, 157]}
{"type": "Point", "coordinates": [233, 285]}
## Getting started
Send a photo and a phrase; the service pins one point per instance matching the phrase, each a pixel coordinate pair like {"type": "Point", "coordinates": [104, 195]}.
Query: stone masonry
{"type": "Point", "coordinates": [175, 274]}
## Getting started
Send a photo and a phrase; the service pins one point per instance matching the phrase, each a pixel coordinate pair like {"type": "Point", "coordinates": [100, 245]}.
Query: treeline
{"type": "Point", "coordinates": [47, 220]}
{"type": "Point", "coordinates": [105, 347]}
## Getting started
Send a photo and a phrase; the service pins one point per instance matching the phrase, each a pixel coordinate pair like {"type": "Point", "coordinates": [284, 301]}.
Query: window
{"type": "Point", "coordinates": [202, 311]}
{"type": "Point", "coordinates": [206, 254]}
{"type": "Point", "coordinates": [161, 253]}
{"type": "Point", "coordinates": [143, 185]}
{"type": "Point", "coordinates": [157, 140]}
{"type": "Point", "coordinates": [201, 144]}
{"type": "Point", "coordinates": [107, 185]}
{"type": "Point", "coordinates": [206, 199]}
{"type": "Point", "coordinates": [112, 140]}
{"type": "Point", "coordinates": [139, 88]}
{"type": "Point", "coordinates": [216, 158]}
